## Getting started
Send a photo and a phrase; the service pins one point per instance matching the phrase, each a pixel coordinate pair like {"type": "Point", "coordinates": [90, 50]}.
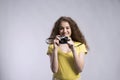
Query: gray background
{"type": "Point", "coordinates": [25, 24]}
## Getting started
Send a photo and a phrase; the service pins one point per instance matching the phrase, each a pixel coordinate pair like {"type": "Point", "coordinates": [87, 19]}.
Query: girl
{"type": "Point", "coordinates": [67, 58]}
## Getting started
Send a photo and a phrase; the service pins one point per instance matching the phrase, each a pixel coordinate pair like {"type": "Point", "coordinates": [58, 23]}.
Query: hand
{"type": "Point", "coordinates": [70, 43]}
{"type": "Point", "coordinates": [56, 41]}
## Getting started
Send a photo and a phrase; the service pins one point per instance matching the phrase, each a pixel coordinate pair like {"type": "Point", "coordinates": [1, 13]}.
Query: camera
{"type": "Point", "coordinates": [63, 40]}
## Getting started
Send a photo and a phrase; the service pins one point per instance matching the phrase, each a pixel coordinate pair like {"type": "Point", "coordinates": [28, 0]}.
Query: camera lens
{"type": "Point", "coordinates": [63, 40]}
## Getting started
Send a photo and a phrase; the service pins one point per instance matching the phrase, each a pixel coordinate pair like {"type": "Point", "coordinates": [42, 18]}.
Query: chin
{"type": "Point", "coordinates": [66, 35]}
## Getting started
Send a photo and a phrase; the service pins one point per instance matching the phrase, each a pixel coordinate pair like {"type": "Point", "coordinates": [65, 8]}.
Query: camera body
{"type": "Point", "coordinates": [63, 40]}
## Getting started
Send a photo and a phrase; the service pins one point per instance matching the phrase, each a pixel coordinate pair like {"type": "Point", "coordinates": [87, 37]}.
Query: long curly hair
{"type": "Point", "coordinates": [76, 33]}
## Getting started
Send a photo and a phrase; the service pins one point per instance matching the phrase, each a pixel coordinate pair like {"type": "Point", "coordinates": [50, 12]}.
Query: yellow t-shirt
{"type": "Point", "coordinates": [66, 70]}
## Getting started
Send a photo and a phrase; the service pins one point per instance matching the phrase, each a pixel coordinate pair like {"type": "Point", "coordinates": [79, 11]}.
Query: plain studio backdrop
{"type": "Point", "coordinates": [26, 24]}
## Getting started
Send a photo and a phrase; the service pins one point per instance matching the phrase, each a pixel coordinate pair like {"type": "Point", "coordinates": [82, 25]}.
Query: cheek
{"type": "Point", "coordinates": [70, 30]}
{"type": "Point", "coordinates": [60, 31]}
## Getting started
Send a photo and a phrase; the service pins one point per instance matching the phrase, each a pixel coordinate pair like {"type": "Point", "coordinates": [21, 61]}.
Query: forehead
{"type": "Point", "coordinates": [64, 23]}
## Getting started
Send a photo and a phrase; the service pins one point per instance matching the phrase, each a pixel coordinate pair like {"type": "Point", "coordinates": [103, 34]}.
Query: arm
{"type": "Point", "coordinates": [54, 61]}
{"type": "Point", "coordinates": [54, 56]}
{"type": "Point", "coordinates": [79, 60]}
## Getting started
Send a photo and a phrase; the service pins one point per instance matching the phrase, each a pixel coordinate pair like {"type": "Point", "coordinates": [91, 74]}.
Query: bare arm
{"type": "Point", "coordinates": [54, 56]}
{"type": "Point", "coordinates": [54, 61]}
{"type": "Point", "coordinates": [79, 60]}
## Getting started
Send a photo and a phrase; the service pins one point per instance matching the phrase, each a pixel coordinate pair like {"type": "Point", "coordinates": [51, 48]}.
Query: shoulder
{"type": "Point", "coordinates": [80, 47]}
{"type": "Point", "coordinates": [50, 48]}
{"type": "Point", "coordinates": [77, 44]}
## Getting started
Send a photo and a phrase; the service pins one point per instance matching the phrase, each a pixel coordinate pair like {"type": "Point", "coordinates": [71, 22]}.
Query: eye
{"type": "Point", "coordinates": [67, 27]}
{"type": "Point", "coordinates": [60, 28]}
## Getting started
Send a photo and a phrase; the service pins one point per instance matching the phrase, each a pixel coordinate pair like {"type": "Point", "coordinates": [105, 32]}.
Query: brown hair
{"type": "Point", "coordinates": [76, 33]}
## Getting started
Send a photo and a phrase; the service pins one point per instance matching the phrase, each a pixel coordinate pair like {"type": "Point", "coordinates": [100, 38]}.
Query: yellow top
{"type": "Point", "coordinates": [66, 70]}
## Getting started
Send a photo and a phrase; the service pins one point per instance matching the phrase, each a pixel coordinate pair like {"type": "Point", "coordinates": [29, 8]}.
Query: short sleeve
{"type": "Point", "coordinates": [50, 49]}
{"type": "Point", "coordinates": [82, 48]}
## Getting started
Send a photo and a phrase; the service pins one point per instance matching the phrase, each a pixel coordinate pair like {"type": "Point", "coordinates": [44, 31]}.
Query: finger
{"type": "Point", "coordinates": [58, 37]}
{"type": "Point", "coordinates": [56, 42]}
{"type": "Point", "coordinates": [69, 42]}
{"type": "Point", "coordinates": [69, 39]}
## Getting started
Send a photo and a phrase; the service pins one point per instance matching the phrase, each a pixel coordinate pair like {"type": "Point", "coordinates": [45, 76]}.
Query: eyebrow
{"type": "Point", "coordinates": [65, 26]}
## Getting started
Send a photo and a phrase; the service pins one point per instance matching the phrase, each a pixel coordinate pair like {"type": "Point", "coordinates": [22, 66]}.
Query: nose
{"type": "Point", "coordinates": [65, 30]}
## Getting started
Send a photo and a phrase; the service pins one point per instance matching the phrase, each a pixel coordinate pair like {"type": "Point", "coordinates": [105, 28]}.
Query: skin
{"type": "Point", "coordinates": [65, 30]}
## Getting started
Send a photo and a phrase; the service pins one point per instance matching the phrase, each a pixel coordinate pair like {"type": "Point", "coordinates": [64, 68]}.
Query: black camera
{"type": "Point", "coordinates": [63, 40]}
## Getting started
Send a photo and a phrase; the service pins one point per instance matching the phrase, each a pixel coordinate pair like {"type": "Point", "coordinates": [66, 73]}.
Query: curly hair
{"type": "Point", "coordinates": [76, 33]}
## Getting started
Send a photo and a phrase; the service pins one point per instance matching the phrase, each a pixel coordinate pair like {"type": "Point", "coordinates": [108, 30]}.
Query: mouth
{"type": "Point", "coordinates": [65, 35]}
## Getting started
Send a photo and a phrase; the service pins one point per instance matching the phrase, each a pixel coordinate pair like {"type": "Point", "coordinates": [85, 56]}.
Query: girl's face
{"type": "Point", "coordinates": [65, 29]}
